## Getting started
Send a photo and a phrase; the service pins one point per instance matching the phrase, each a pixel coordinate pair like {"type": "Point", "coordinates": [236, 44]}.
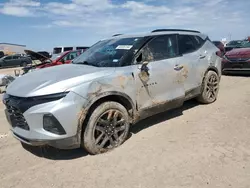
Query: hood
{"type": "Point", "coordinates": [239, 53]}
{"type": "Point", "coordinates": [55, 79]}
{"type": "Point", "coordinates": [36, 55]}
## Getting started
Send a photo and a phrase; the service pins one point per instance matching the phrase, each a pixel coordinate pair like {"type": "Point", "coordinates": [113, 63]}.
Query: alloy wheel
{"type": "Point", "coordinates": [109, 129]}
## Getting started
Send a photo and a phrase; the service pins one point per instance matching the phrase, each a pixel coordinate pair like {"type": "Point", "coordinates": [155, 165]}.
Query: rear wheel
{"type": "Point", "coordinates": [210, 88]}
{"type": "Point", "coordinates": [107, 128]}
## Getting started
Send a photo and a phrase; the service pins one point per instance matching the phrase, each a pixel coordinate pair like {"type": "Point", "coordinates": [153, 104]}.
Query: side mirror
{"type": "Point", "coordinates": [145, 63]}
{"type": "Point", "coordinates": [144, 67]}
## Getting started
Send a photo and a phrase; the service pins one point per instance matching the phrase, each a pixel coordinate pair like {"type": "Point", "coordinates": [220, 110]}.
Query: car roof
{"type": "Point", "coordinates": [181, 32]}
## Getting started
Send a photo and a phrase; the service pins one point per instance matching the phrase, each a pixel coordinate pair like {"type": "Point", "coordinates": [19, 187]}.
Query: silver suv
{"type": "Point", "coordinates": [92, 102]}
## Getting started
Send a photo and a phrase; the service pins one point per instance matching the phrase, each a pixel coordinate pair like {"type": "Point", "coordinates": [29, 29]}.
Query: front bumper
{"type": "Point", "coordinates": [67, 110]}
{"type": "Point", "coordinates": [236, 67]}
{"type": "Point", "coordinates": [66, 143]}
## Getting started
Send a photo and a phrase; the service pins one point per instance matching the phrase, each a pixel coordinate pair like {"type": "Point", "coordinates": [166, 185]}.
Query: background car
{"type": "Point", "coordinates": [237, 60]}
{"type": "Point", "coordinates": [220, 45]}
{"type": "Point", "coordinates": [41, 61]}
{"type": "Point", "coordinates": [62, 58]}
{"type": "Point", "coordinates": [44, 53]}
{"type": "Point", "coordinates": [15, 60]}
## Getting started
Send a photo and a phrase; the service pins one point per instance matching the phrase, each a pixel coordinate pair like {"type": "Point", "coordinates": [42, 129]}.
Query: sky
{"type": "Point", "coordinates": [44, 24]}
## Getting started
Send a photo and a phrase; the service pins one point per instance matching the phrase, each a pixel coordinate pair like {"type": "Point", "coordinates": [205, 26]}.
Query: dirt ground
{"type": "Point", "coordinates": [196, 146]}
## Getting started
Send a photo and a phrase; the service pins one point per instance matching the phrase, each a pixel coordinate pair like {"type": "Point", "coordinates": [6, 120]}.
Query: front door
{"type": "Point", "coordinates": [156, 76]}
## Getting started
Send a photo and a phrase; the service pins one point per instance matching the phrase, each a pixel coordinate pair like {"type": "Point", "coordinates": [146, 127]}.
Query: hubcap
{"type": "Point", "coordinates": [212, 87]}
{"type": "Point", "coordinates": [109, 129]}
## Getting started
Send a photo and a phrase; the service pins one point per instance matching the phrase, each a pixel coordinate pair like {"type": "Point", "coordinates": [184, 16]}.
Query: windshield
{"type": "Point", "coordinates": [55, 56]}
{"type": "Point", "coordinates": [234, 42]}
{"type": "Point", "coordinates": [106, 53]}
{"type": "Point", "coordinates": [245, 45]}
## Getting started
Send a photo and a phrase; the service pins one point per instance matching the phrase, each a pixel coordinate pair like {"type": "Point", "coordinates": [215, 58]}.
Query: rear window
{"type": "Point", "coordinates": [57, 50]}
{"type": "Point", "coordinates": [68, 48]}
{"type": "Point", "coordinates": [198, 41]}
{"type": "Point", "coordinates": [81, 48]}
{"type": "Point", "coordinates": [187, 44]}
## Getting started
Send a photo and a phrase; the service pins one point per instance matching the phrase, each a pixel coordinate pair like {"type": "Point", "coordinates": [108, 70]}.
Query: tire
{"type": "Point", "coordinates": [106, 132]}
{"type": "Point", "coordinates": [209, 91]}
{"type": "Point", "coordinates": [24, 64]}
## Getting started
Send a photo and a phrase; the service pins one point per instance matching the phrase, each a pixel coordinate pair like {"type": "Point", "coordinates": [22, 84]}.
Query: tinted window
{"type": "Point", "coordinates": [8, 58]}
{"type": "Point", "coordinates": [57, 50]}
{"type": "Point", "coordinates": [16, 57]}
{"type": "Point", "coordinates": [186, 44]}
{"type": "Point", "coordinates": [68, 48]}
{"type": "Point", "coordinates": [198, 41]}
{"type": "Point", "coordinates": [71, 56]}
{"type": "Point", "coordinates": [162, 47]}
{"type": "Point", "coordinates": [81, 48]}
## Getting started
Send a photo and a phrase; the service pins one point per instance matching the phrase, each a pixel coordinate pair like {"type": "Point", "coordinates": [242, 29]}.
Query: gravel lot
{"type": "Point", "coordinates": [195, 146]}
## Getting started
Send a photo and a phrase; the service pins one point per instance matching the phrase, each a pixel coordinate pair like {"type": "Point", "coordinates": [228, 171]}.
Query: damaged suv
{"type": "Point", "coordinates": [92, 102]}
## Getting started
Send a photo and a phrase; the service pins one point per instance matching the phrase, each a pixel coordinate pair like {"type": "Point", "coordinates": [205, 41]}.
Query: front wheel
{"type": "Point", "coordinates": [210, 88]}
{"type": "Point", "coordinates": [107, 128]}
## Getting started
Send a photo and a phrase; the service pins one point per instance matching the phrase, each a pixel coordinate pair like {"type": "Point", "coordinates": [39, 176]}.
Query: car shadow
{"type": "Point", "coordinates": [237, 74]}
{"type": "Point", "coordinates": [51, 153]}
{"type": "Point", "coordinates": [153, 120]}
{"type": "Point", "coordinates": [58, 154]}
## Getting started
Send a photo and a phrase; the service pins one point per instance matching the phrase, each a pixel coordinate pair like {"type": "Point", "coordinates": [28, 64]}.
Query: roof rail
{"type": "Point", "coordinates": [116, 35]}
{"type": "Point", "coordinates": [163, 30]}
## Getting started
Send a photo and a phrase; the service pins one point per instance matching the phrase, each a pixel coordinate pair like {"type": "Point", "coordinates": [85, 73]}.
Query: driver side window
{"type": "Point", "coordinates": [8, 58]}
{"type": "Point", "coordinates": [159, 48]}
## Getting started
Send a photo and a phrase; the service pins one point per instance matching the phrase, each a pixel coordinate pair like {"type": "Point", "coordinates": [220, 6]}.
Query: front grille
{"type": "Point", "coordinates": [16, 118]}
{"type": "Point", "coordinates": [238, 59]}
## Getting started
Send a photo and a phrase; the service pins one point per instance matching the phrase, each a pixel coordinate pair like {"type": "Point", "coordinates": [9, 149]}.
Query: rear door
{"type": "Point", "coordinates": [193, 62]}
{"type": "Point", "coordinates": [16, 60]}
{"type": "Point", "coordinates": [156, 82]}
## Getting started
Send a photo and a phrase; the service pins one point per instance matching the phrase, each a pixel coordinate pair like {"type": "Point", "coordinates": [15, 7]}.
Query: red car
{"type": "Point", "coordinates": [57, 59]}
{"type": "Point", "coordinates": [237, 60]}
{"type": "Point", "coordinates": [62, 58]}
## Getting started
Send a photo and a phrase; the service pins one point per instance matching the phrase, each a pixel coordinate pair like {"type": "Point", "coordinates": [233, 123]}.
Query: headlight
{"type": "Point", "coordinates": [51, 97]}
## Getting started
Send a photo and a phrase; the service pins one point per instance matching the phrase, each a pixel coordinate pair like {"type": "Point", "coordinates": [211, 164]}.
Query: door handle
{"type": "Point", "coordinates": [178, 67]}
{"type": "Point", "coordinates": [202, 56]}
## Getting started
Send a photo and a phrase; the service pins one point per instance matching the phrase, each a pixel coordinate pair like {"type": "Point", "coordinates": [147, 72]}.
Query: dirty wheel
{"type": "Point", "coordinates": [108, 127]}
{"type": "Point", "coordinates": [210, 88]}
